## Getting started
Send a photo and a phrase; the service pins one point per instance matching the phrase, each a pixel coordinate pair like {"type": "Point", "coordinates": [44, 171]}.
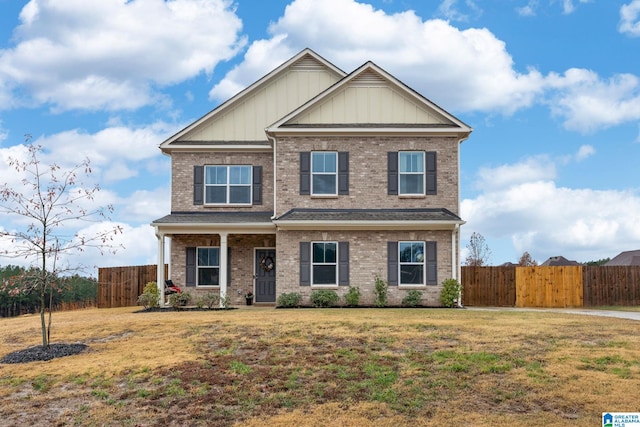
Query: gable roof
{"type": "Point", "coordinates": [625, 258]}
{"type": "Point", "coordinates": [255, 107]}
{"type": "Point", "coordinates": [367, 100]}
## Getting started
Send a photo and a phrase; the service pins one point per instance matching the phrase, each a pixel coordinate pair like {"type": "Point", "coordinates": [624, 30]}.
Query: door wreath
{"type": "Point", "coordinates": [267, 264]}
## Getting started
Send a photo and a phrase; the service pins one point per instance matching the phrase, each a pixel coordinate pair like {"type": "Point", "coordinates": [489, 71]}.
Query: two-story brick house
{"type": "Point", "coordinates": [312, 178]}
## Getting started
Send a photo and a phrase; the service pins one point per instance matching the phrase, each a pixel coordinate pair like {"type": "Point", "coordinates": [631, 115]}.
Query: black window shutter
{"type": "Point", "coordinates": [343, 263]}
{"type": "Point", "coordinates": [198, 185]}
{"type": "Point", "coordinates": [305, 263]}
{"type": "Point", "coordinates": [305, 173]}
{"type": "Point", "coordinates": [392, 173]}
{"type": "Point", "coordinates": [257, 185]}
{"type": "Point", "coordinates": [392, 263]}
{"type": "Point", "coordinates": [343, 172]}
{"type": "Point", "coordinates": [432, 263]}
{"type": "Point", "coordinates": [190, 280]}
{"type": "Point", "coordinates": [431, 173]}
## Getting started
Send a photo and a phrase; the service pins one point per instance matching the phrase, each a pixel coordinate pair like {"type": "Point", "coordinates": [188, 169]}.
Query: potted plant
{"type": "Point", "coordinates": [249, 298]}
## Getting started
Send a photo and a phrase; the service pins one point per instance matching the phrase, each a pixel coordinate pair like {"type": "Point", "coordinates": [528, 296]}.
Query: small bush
{"type": "Point", "coordinates": [225, 302]}
{"type": "Point", "coordinates": [289, 300]}
{"type": "Point", "coordinates": [451, 291]}
{"type": "Point", "coordinates": [324, 298]}
{"type": "Point", "coordinates": [380, 290]}
{"type": "Point", "coordinates": [209, 300]}
{"type": "Point", "coordinates": [150, 297]}
{"type": "Point", "coordinates": [352, 297]}
{"type": "Point", "coordinates": [178, 300]}
{"type": "Point", "coordinates": [412, 299]}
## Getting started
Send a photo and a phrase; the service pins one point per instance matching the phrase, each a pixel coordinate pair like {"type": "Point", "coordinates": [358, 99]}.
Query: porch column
{"type": "Point", "coordinates": [160, 267]}
{"type": "Point", "coordinates": [223, 268]}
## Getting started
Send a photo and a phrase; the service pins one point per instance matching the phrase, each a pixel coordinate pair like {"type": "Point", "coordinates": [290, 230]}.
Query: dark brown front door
{"type": "Point", "coordinates": [265, 267]}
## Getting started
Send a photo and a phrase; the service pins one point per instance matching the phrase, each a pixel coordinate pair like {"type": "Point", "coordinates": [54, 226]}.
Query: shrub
{"type": "Point", "coordinates": [178, 300]}
{"type": "Point", "coordinates": [380, 290]}
{"type": "Point", "coordinates": [451, 291]}
{"type": "Point", "coordinates": [412, 299]}
{"type": "Point", "coordinates": [289, 300]}
{"type": "Point", "coordinates": [324, 298]}
{"type": "Point", "coordinates": [209, 300]}
{"type": "Point", "coordinates": [225, 302]}
{"type": "Point", "coordinates": [150, 297]}
{"type": "Point", "coordinates": [352, 297]}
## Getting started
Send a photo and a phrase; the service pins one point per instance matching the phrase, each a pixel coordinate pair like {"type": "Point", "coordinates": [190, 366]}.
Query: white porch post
{"type": "Point", "coordinates": [223, 268]}
{"type": "Point", "coordinates": [160, 267]}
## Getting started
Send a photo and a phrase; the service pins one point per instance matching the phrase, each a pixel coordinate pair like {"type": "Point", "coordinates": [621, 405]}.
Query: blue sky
{"type": "Point", "coordinates": [551, 88]}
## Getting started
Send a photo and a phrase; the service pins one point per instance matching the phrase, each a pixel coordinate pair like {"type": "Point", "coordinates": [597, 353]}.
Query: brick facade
{"type": "Point", "coordinates": [367, 172]}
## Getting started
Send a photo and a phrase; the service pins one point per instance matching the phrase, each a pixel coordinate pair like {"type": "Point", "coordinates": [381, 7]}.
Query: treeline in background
{"type": "Point", "coordinates": [71, 292]}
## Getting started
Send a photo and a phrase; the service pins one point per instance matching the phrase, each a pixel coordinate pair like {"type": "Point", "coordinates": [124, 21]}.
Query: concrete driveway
{"type": "Point", "coordinates": [631, 315]}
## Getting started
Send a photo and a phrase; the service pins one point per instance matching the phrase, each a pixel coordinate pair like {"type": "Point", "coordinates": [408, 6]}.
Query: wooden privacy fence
{"type": "Point", "coordinates": [120, 286]}
{"type": "Point", "coordinates": [562, 286]}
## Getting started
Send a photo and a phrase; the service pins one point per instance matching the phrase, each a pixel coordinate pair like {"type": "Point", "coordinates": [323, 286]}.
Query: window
{"type": "Point", "coordinates": [411, 170]}
{"type": "Point", "coordinates": [324, 173]}
{"type": "Point", "coordinates": [228, 185]}
{"type": "Point", "coordinates": [208, 266]}
{"type": "Point", "coordinates": [412, 263]}
{"type": "Point", "coordinates": [324, 263]}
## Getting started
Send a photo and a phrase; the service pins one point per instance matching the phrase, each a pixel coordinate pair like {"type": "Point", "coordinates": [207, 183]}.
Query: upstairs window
{"type": "Point", "coordinates": [324, 173]}
{"type": "Point", "coordinates": [228, 185]}
{"type": "Point", "coordinates": [208, 266]}
{"type": "Point", "coordinates": [411, 170]}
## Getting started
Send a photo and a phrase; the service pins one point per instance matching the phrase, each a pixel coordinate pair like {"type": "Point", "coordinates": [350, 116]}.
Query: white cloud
{"type": "Point", "coordinates": [533, 169]}
{"type": "Point", "coordinates": [69, 56]}
{"type": "Point", "coordinates": [452, 11]}
{"type": "Point", "coordinates": [588, 103]}
{"type": "Point", "coordinates": [117, 152]}
{"type": "Point", "coordinates": [463, 70]}
{"type": "Point", "coordinates": [630, 19]}
{"type": "Point", "coordinates": [568, 7]}
{"type": "Point", "coordinates": [584, 152]}
{"type": "Point", "coordinates": [528, 10]}
{"type": "Point", "coordinates": [544, 219]}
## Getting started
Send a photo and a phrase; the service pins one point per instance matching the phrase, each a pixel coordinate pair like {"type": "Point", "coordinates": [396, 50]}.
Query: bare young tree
{"type": "Point", "coordinates": [527, 261]}
{"type": "Point", "coordinates": [479, 252]}
{"type": "Point", "coordinates": [50, 203]}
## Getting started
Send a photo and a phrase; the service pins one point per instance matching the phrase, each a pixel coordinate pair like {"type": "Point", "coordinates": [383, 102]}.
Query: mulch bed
{"type": "Point", "coordinates": [40, 353]}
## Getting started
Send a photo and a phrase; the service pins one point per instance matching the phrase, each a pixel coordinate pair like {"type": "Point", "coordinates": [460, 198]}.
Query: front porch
{"type": "Point", "coordinates": [230, 254]}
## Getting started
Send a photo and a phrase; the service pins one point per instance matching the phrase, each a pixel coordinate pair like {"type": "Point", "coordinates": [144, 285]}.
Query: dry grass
{"type": "Point", "coordinates": [342, 367]}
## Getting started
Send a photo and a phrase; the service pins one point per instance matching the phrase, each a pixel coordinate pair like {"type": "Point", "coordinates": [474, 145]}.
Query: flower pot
{"type": "Point", "coordinates": [249, 300]}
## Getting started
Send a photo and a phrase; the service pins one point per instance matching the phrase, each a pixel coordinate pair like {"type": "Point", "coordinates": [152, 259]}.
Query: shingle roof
{"type": "Point", "coordinates": [214, 217]}
{"type": "Point", "coordinates": [432, 214]}
{"type": "Point", "coordinates": [558, 261]}
{"type": "Point", "coordinates": [625, 258]}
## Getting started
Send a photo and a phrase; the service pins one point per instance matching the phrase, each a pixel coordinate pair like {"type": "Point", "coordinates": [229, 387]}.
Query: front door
{"type": "Point", "coordinates": [265, 268]}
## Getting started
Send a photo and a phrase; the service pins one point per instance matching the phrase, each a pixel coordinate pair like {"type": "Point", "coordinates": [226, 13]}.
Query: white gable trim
{"type": "Point", "coordinates": [365, 73]}
{"type": "Point", "coordinates": [166, 145]}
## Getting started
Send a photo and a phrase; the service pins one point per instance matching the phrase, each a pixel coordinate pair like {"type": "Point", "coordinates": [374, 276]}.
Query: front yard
{"type": "Point", "coordinates": [370, 367]}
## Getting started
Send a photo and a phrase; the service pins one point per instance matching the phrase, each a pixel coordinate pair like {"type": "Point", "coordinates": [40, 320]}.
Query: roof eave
{"type": "Point", "coordinates": [214, 228]}
{"type": "Point", "coordinates": [366, 225]}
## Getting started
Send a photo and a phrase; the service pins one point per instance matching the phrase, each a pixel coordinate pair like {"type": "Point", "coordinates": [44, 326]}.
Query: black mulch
{"type": "Point", "coordinates": [39, 353]}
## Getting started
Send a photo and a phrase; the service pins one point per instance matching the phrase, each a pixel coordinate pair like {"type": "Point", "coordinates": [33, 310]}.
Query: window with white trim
{"type": "Point", "coordinates": [324, 263]}
{"type": "Point", "coordinates": [411, 172]}
{"type": "Point", "coordinates": [228, 185]}
{"type": "Point", "coordinates": [411, 263]}
{"type": "Point", "coordinates": [324, 173]}
{"type": "Point", "coordinates": [208, 266]}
